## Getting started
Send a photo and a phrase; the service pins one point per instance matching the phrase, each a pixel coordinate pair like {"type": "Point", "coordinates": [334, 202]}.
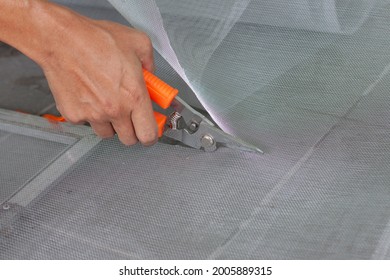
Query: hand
{"type": "Point", "coordinates": [94, 69]}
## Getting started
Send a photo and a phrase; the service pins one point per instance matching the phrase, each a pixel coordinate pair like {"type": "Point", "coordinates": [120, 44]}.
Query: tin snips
{"type": "Point", "coordinates": [186, 125]}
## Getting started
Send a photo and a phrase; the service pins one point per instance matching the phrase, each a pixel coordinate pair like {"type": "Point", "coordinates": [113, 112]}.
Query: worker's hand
{"type": "Point", "coordinates": [94, 69]}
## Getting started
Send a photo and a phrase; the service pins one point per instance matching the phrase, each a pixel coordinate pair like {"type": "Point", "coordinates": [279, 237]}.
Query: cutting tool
{"type": "Point", "coordinates": [186, 125]}
{"type": "Point", "coordinates": [183, 123]}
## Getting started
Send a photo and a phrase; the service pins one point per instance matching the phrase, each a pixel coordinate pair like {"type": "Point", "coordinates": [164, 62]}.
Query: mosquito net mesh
{"type": "Point", "coordinates": [306, 81]}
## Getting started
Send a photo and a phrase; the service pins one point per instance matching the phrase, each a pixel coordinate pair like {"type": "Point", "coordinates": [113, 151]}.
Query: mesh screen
{"type": "Point", "coordinates": [21, 158]}
{"type": "Point", "coordinates": [307, 81]}
{"type": "Point", "coordinates": [186, 204]}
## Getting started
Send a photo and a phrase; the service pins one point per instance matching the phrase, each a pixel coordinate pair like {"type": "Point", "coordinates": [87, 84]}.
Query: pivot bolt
{"type": "Point", "coordinates": [193, 126]}
{"type": "Point", "coordinates": [207, 141]}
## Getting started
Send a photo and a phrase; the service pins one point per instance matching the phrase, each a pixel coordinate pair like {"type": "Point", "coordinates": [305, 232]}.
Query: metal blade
{"type": "Point", "coordinates": [227, 140]}
{"type": "Point", "coordinates": [182, 107]}
{"type": "Point", "coordinates": [204, 134]}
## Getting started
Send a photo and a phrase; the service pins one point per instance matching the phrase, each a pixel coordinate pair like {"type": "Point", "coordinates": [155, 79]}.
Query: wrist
{"type": "Point", "coordinates": [35, 27]}
{"type": "Point", "coordinates": [50, 24]}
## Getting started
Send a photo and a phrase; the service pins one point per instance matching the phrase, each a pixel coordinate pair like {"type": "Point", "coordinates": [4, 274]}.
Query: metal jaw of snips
{"type": "Point", "coordinates": [191, 128]}
{"type": "Point", "coordinates": [187, 125]}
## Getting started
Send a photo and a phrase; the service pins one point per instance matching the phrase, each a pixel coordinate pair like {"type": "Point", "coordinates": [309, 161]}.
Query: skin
{"type": "Point", "coordinates": [94, 68]}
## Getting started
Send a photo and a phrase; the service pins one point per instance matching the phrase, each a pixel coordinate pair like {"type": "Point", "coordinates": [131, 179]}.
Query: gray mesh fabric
{"type": "Point", "coordinates": [307, 81]}
{"type": "Point", "coordinates": [22, 157]}
{"type": "Point", "coordinates": [113, 205]}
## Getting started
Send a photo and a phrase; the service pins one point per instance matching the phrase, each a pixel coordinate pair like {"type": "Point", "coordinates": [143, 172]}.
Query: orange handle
{"type": "Point", "coordinates": [161, 121]}
{"type": "Point", "coordinates": [159, 91]}
{"type": "Point", "coordinates": [54, 118]}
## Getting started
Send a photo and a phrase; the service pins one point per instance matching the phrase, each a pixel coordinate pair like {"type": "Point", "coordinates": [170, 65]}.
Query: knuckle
{"type": "Point", "coordinates": [148, 138]}
{"type": "Point", "coordinates": [112, 110]}
{"type": "Point", "coordinates": [148, 45]}
{"type": "Point", "coordinates": [137, 98]}
{"type": "Point", "coordinates": [95, 117]}
{"type": "Point", "coordinates": [73, 119]}
{"type": "Point", "coordinates": [145, 44]}
{"type": "Point", "coordinates": [134, 95]}
{"type": "Point", "coordinates": [145, 40]}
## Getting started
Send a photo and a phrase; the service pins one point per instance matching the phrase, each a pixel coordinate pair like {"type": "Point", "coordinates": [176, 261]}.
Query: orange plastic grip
{"type": "Point", "coordinates": [161, 121]}
{"type": "Point", "coordinates": [159, 91]}
{"type": "Point", "coordinates": [54, 118]}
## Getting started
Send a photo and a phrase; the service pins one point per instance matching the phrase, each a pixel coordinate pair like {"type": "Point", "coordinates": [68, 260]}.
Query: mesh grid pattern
{"type": "Point", "coordinates": [308, 82]}
{"type": "Point", "coordinates": [22, 157]}
{"type": "Point", "coordinates": [131, 210]}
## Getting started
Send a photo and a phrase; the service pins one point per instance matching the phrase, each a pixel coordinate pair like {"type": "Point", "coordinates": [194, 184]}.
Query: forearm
{"type": "Point", "coordinates": [94, 68]}
{"type": "Point", "coordinates": [33, 26]}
